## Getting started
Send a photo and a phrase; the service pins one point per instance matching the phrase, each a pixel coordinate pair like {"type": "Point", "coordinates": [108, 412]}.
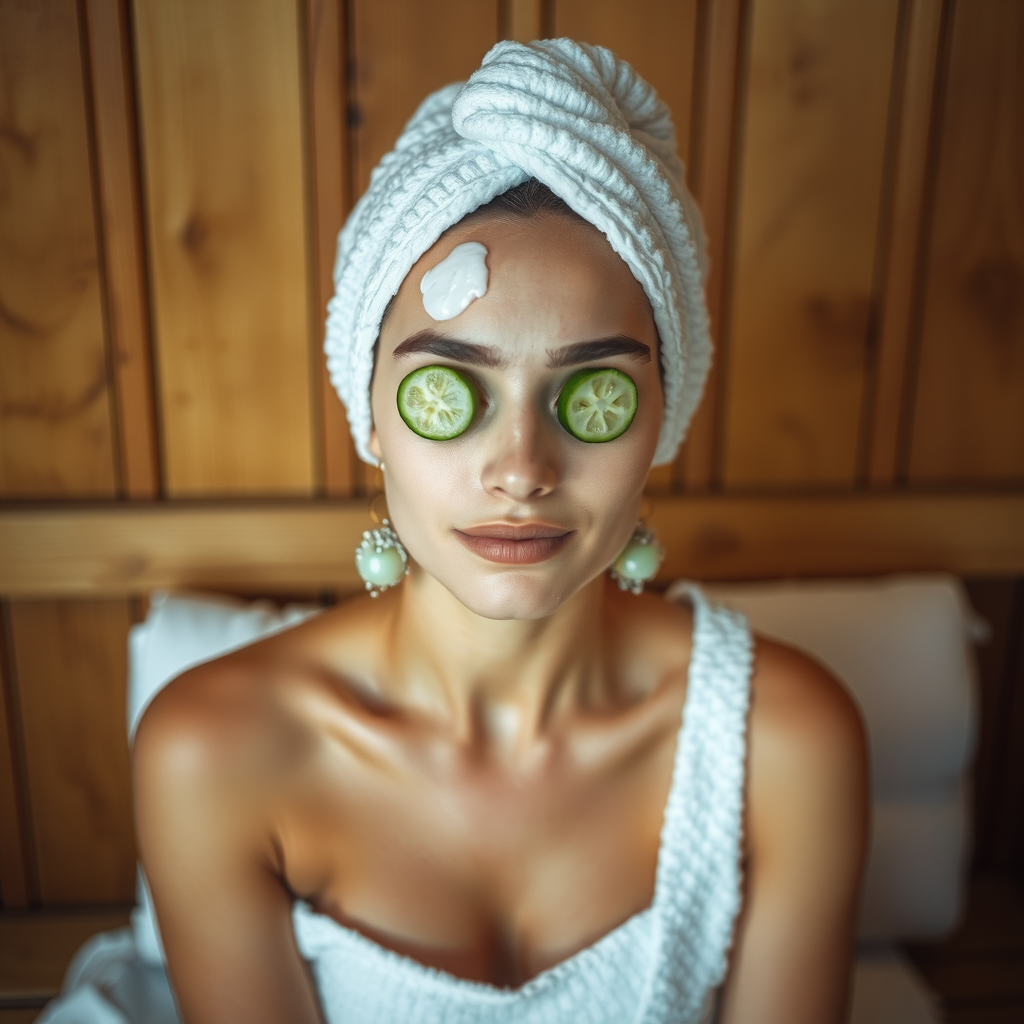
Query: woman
{"type": "Point", "coordinates": [471, 799]}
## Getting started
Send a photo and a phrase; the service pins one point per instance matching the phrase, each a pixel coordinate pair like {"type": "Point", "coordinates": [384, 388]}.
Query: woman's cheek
{"type": "Point", "coordinates": [423, 489]}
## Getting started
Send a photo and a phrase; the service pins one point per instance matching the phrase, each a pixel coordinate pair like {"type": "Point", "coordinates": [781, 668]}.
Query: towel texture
{"type": "Point", "coordinates": [580, 121]}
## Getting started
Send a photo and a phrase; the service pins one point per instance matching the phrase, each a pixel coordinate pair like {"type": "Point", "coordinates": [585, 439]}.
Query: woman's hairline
{"type": "Point", "coordinates": [528, 201]}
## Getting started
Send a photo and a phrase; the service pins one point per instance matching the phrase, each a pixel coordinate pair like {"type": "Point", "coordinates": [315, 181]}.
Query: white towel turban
{"type": "Point", "coordinates": [580, 121]}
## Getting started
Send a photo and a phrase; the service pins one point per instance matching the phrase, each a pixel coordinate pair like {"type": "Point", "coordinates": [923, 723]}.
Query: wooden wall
{"type": "Point", "coordinates": [172, 179]}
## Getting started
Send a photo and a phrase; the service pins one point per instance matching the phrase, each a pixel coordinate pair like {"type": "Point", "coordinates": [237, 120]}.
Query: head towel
{"type": "Point", "coordinates": [582, 122]}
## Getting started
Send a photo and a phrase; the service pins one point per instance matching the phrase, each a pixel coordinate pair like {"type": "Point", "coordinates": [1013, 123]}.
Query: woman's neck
{"type": "Point", "coordinates": [498, 684]}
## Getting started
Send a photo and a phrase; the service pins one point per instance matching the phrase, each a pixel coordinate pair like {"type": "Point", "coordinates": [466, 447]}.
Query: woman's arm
{"type": "Point", "coordinates": [209, 855]}
{"type": "Point", "coordinates": [806, 835]}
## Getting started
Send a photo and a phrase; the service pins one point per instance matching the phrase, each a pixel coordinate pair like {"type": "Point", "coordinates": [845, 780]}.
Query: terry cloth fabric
{"type": "Point", "coordinates": [580, 121]}
{"type": "Point", "coordinates": [664, 964]}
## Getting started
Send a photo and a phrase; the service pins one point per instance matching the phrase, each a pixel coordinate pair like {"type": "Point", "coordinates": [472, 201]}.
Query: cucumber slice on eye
{"type": "Point", "coordinates": [437, 402]}
{"type": "Point", "coordinates": [597, 405]}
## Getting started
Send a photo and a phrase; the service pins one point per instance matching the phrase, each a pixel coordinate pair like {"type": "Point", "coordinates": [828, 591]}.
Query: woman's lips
{"type": "Point", "coordinates": [514, 544]}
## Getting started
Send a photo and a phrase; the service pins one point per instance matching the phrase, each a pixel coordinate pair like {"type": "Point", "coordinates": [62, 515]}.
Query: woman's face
{"type": "Point", "coordinates": [514, 515]}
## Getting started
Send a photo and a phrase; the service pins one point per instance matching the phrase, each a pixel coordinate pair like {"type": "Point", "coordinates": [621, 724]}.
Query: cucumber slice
{"type": "Point", "coordinates": [437, 402]}
{"type": "Point", "coordinates": [597, 405]}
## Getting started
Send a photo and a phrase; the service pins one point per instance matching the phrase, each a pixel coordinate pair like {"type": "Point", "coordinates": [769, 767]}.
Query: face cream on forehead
{"type": "Point", "coordinates": [456, 281]}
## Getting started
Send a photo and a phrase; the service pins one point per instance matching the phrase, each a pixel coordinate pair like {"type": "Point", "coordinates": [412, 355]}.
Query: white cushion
{"type": "Point", "coordinates": [916, 875]}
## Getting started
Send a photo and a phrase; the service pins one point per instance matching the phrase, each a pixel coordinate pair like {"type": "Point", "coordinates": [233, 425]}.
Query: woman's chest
{"type": "Point", "coordinates": [491, 875]}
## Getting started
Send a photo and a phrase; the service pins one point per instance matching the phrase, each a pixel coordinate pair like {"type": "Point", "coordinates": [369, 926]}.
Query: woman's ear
{"type": "Point", "coordinates": [374, 445]}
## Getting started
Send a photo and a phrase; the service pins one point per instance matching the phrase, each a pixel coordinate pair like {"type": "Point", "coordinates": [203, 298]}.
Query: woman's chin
{"type": "Point", "coordinates": [513, 594]}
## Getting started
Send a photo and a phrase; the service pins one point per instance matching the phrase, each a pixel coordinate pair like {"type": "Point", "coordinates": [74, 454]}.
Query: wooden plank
{"type": "Point", "coordinates": [121, 209]}
{"type": "Point", "coordinates": [332, 199]}
{"type": "Point", "coordinates": [1001, 604]}
{"type": "Point", "coordinates": [70, 658]}
{"type": "Point", "coordinates": [257, 548]}
{"type": "Point", "coordinates": [403, 50]}
{"type": "Point", "coordinates": [750, 538]}
{"type": "Point", "coordinates": [813, 155]}
{"type": "Point", "coordinates": [55, 423]}
{"type": "Point", "coordinates": [909, 188]}
{"type": "Point", "coordinates": [14, 886]}
{"type": "Point", "coordinates": [524, 20]}
{"type": "Point", "coordinates": [36, 948]}
{"type": "Point", "coordinates": [306, 546]}
{"type": "Point", "coordinates": [968, 422]}
{"type": "Point", "coordinates": [1008, 836]}
{"type": "Point", "coordinates": [221, 100]}
{"type": "Point", "coordinates": [976, 971]}
{"type": "Point", "coordinates": [713, 165]}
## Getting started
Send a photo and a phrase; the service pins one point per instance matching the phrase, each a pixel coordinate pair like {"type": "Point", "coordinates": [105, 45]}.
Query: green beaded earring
{"type": "Point", "coordinates": [639, 561]}
{"type": "Point", "coordinates": [381, 560]}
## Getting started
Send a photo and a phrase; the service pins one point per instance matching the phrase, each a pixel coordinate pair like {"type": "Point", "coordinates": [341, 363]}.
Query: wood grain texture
{"type": "Point", "coordinates": [307, 546]}
{"type": "Point", "coordinates": [713, 170]}
{"type": "Point", "coordinates": [14, 884]}
{"type": "Point", "coordinates": [326, 42]}
{"type": "Point", "coordinates": [36, 948]}
{"type": "Point", "coordinates": [845, 535]}
{"type": "Point", "coordinates": [524, 20]}
{"type": "Point", "coordinates": [1008, 836]}
{"type": "Point", "coordinates": [220, 95]}
{"type": "Point", "coordinates": [121, 210]}
{"type": "Point", "coordinates": [976, 971]}
{"type": "Point", "coordinates": [919, 66]}
{"type": "Point", "coordinates": [1001, 604]}
{"type": "Point", "coordinates": [72, 678]}
{"type": "Point", "coordinates": [813, 158]}
{"type": "Point", "coordinates": [117, 550]}
{"type": "Point", "coordinates": [403, 50]}
{"type": "Point", "coordinates": [55, 422]}
{"type": "Point", "coordinates": [968, 423]}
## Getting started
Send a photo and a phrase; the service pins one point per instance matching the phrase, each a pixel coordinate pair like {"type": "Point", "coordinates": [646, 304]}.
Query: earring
{"type": "Point", "coordinates": [381, 560]}
{"type": "Point", "coordinates": [639, 561]}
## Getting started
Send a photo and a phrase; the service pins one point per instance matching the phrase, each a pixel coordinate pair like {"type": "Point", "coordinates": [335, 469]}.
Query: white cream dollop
{"type": "Point", "coordinates": [456, 281]}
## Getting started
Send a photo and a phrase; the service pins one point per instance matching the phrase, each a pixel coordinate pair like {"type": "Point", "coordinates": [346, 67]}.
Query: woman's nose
{"type": "Point", "coordinates": [522, 462]}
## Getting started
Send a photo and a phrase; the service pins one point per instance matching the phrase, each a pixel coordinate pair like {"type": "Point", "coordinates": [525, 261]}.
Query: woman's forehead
{"type": "Point", "coordinates": [551, 279]}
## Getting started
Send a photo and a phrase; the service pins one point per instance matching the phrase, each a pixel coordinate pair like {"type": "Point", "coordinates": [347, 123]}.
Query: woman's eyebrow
{"type": "Point", "coordinates": [599, 348]}
{"type": "Point", "coordinates": [450, 348]}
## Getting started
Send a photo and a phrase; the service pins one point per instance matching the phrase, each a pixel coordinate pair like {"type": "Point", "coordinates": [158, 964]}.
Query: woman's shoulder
{"type": "Point", "coordinates": [257, 706]}
{"type": "Point", "coordinates": [799, 710]}
{"type": "Point", "coordinates": [807, 753]}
